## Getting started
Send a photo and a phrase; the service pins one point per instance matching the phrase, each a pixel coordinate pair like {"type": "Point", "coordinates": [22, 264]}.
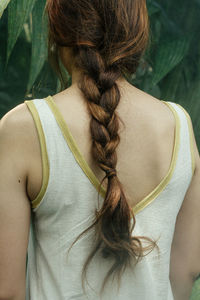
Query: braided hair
{"type": "Point", "coordinates": [108, 38]}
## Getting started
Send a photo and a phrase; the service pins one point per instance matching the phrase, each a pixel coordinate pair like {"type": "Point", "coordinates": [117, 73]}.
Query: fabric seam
{"type": "Point", "coordinates": [45, 160]}
{"type": "Point", "coordinates": [73, 147]}
{"type": "Point", "coordinates": [191, 140]}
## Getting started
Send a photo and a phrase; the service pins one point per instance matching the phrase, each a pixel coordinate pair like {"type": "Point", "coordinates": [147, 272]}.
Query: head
{"type": "Point", "coordinates": [104, 41]}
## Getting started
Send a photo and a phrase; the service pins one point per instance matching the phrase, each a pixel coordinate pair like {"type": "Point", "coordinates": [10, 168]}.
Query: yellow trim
{"type": "Point", "coordinates": [87, 170]}
{"type": "Point", "coordinates": [45, 161]}
{"type": "Point", "coordinates": [159, 188]}
{"type": "Point", "coordinates": [191, 139]}
{"type": "Point", "coordinates": [73, 146]}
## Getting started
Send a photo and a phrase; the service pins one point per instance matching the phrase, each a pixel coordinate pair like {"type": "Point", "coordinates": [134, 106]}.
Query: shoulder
{"type": "Point", "coordinates": [16, 134]}
{"type": "Point", "coordinates": [159, 116]}
{"type": "Point", "coordinates": [16, 123]}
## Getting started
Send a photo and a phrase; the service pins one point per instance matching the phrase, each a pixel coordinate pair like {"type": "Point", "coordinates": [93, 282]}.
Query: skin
{"type": "Point", "coordinates": [21, 177]}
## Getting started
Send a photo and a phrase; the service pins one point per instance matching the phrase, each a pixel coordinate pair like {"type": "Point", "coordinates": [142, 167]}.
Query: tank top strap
{"type": "Point", "coordinates": [54, 150]}
{"type": "Point", "coordinates": [186, 151]}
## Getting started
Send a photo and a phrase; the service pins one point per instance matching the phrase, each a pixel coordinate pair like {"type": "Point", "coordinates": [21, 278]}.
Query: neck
{"type": "Point", "coordinates": [76, 76]}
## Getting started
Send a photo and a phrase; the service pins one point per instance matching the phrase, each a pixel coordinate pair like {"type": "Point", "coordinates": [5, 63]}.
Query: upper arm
{"type": "Point", "coordinates": [14, 205]}
{"type": "Point", "coordinates": [185, 251]}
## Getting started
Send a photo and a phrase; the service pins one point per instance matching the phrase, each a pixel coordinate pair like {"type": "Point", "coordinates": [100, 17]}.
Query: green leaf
{"type": "Point", "coordinates": [168, 55]}
{"type": "Point", "coordinates": [39, 41]}
{"type": "Point", "coordinates": [195, 290]}
{"type": "Point", "coordinates": [3, 6]}
{"type": "Point", "coordinates": [18, 13]}
{"type": "Point", "coordinates": [153, 7]}
{"type": "Point", "coordinates": [171, 83]}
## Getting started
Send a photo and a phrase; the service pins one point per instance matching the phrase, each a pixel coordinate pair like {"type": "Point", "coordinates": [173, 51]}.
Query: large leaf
{"type": "Point", "coordinates": [39, 41]}
{"type": "Point", "coordinates": [169, 54]}
{"type": "Point", "coordinates": [171, 83]}
{"type": "Point", "coordinates": [3, 5]}
{"type": "Point", "coordinates": [18, 12]}
{"type": "Point", "coordinates": [153, 7]}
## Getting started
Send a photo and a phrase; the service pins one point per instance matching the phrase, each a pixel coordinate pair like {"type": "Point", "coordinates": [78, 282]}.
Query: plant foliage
{"type": "Point", "coordinates": [3, 6]}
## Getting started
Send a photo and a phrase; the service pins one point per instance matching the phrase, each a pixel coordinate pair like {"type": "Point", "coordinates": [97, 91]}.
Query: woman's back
{"type": "Point", "coordinates": [146, 146]}
{"type": "Point", "coordinates": [155, 145]}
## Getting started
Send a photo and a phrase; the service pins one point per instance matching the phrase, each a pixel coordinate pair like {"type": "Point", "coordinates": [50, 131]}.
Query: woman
{"type": "Point", "coordinates": [57, 153]}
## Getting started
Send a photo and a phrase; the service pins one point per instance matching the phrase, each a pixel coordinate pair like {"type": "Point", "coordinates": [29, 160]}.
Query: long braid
{"type": "Point", "coordinates": [108, 38]}
{"type": "Point", "coordinates": [99, 87]}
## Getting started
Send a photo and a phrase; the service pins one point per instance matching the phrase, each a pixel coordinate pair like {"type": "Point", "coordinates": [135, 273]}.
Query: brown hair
{"type": "Point", "coordinates": [108, 39]}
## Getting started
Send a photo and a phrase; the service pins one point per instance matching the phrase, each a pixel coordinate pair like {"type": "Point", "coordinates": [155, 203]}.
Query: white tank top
{"type": "Point", "coordinates": [63, 209]}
